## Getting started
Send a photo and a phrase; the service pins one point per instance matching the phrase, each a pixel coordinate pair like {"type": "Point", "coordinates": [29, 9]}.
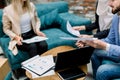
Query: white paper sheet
{"type": "Point", "coordinates": [35, 39]}
{"type": "Point", "coordinates": [39, 65]}
{"type": "Point", "coordinates": [79, 39]}
{"type": "Point", "coordinates": [71, 30]}
{"type": "Point", "coordinates": [49, 73]}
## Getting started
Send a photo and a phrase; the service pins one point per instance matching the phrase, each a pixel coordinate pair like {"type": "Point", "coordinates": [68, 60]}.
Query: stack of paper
{"type": "Point", "coordinates": [79, 39]}
{"type": "Point", "coordinates": [35, 39]}
{"type": "Point", "coordinates": [40, 66]}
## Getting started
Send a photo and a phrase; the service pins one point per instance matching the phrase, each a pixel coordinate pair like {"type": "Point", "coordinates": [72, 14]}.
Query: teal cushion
{"type": "Point", "coordinates": [74, 21]}
{"type": "Point", "coordinates": [1, 25]}
{"type": "Point", "coordinates": [54, 39]}
{"type": "Point", "coordinates": [8, 76]}
{"type": "Point", "coordinates": [44, 8]}
{"type": "Point", "coordinates": [13, 59]}
{"type": "Point", "coordinates": [107, 62]}
{"type": "Point", "coordinates": [1, 13]}
{"type": "Point", "coordinates": [117, 79]}
{"type": "Point", "coordinates": [49, 19]}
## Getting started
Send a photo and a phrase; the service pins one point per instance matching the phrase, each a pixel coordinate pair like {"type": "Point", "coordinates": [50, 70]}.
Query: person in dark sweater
{"type": "Point", "coordinates": [103, 18]}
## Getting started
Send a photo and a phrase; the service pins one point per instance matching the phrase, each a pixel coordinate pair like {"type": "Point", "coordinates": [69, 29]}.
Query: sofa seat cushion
{"type": "Point", "coordinates": [54, 40]}
{"type": "Point", "coordinates": [8, 76]}
{"type": "Point", "coordinates": [21, 56]}
{"type": "Point", "coordinates": [107, 62]}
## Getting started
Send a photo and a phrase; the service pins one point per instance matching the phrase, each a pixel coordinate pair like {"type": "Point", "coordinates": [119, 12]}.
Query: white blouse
{"type": "Point", "coordinates": [105, 14]}
{"type": "Point", "coordinates": [25, 23]}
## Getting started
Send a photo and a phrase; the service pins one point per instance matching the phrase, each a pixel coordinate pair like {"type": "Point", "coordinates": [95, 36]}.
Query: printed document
{"type": "Point", "coordinates": [71, 30]}
{"type": "Point", "coordinates": [79, 39]}
{"type": "Point", "coordinates": [51, 72]}
{"type": "Point", "coordinates": [35, 39]}
{"type": "Point", "coordinates": [39, 65]}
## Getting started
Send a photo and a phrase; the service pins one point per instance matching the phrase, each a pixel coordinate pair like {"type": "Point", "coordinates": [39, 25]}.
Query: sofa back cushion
{"type": "Point", "coordinates": [49, 20]}
{"type": "Point", "coordinates": [44, 8]}
{"type": "Point", "coordinates": [1, 25]}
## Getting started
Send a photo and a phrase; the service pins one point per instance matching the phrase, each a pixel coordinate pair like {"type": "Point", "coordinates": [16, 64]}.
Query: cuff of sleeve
{"type": "Point", "coordinates": [107, 47]}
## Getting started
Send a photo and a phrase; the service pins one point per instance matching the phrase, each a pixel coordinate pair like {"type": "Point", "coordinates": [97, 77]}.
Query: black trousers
{"type": "Point", "coordinates": [33, 48]}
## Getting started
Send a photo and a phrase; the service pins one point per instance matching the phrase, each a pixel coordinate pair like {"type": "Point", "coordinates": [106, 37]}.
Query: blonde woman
{"type": "Point", "coordinates": [20, 21]}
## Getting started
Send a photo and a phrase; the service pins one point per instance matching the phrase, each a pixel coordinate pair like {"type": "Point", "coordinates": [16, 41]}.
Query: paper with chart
{"type": "Point", "coordinates": [78, 39]}
{"type": "Point", "coordinates": [51, 72]}
{"type": "Point", "coordinates": [35, 39]}
{"type": "Point", "coordinates": [39, 65]}
{"type": "Point", "coordinates": [71, 30]}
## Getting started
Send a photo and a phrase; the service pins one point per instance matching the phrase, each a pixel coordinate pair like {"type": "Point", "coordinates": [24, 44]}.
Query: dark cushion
{"type": "Point", "coordinates": [49, 19]}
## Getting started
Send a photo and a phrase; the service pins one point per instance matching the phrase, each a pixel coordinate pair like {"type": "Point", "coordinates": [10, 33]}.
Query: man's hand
{"type": "Point", "coordinates": [39, 33]}
{"type": "Point", "coordinates": [80, 44]}
{"type": "Point", "coordinates": [19, 40]}
{"type": "Point", "coordinates": [79, 28]}
{"type": "Point", "coordinates": [96, 44]}
{"type": "Point", "coordinates": [86, 36]}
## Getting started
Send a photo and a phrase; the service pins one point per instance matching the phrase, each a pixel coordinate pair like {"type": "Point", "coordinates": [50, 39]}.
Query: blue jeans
{"type": "Point", "coordinates": [106, 71]}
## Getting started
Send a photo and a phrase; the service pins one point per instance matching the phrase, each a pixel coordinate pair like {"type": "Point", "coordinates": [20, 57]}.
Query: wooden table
{"type": "Point", "coordinates": [4, 68]}
{"type": "Point", "coordinates": [54, 52]}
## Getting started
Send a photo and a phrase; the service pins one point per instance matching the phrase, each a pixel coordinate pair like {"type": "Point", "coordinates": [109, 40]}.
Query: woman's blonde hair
{"type": "Point", "coordinates": [19, 6]}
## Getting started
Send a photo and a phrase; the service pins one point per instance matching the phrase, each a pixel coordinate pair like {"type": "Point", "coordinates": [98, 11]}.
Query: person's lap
{"type": "Point", "coordinates": [34, 48]}
{"type": "Point", "coordinates": [108, 72]}
{"type": "Point", "coordinates": [104, 70]}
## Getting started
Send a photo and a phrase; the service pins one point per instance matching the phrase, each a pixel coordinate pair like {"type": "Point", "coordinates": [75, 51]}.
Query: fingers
{"type": "Point", "coordinates": [19, 41]}
{"type": "Point", "coordinates": [76, 28]}
{"type": "Point", "coordinates": [39, 33]}
{"type": "Point", "coordinates": [42, 34]}
{"type": "Point", "coordinates": [80, 44]}
{"type": "Point", "coordinates": [92, 43]}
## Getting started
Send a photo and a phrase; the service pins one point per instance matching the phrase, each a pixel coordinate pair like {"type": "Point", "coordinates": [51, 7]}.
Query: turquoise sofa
{"type": "Point", "coordinates": [53, 16]}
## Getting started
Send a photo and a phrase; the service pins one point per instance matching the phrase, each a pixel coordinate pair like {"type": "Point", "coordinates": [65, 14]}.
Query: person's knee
{"type": "Point", "coordinates": [43, 45]}
{"type": "Point", "coordinates": [32, 46]}
{"type": "Point", "coordinates": [103, 72]}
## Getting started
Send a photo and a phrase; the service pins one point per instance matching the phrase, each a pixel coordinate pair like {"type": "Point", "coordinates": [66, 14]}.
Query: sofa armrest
{"type": "Point", "coordinates": [74, 21]}
{"type": "Point", "coordinates": [13, 59]}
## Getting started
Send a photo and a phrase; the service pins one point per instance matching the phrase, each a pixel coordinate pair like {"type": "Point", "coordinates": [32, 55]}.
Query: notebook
{"type": "Point", "coordinates": [73, 58]}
